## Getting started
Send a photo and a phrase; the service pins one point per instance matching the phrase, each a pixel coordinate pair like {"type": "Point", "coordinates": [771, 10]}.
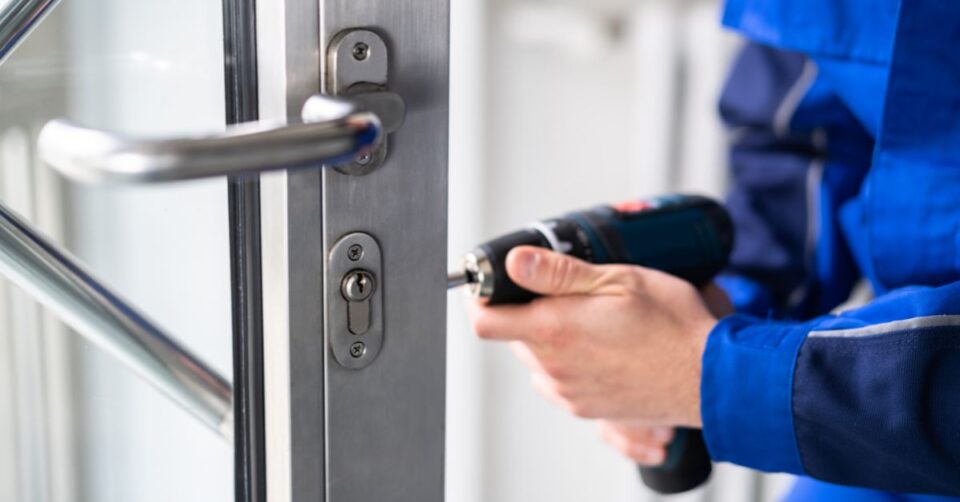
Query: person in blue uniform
{"type": "Point", "coordinates": [845, 155]}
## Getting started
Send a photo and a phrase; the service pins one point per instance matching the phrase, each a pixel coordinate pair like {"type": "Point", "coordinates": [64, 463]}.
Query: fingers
{"type": "Point", "coordinates": [504, 322]}
{"type": "Point", "coordinates": [563, 281]}
{"type": "Point", "coordinates": [548, 273]}
{"type": "Point", "coordinates": [543, 322]}
{"type": "Point", "coordinates": [641, 433]}
{"type": "Point", "coordinates": [645, 445]}
{"type": "Point", "coordinates": [565, 398]}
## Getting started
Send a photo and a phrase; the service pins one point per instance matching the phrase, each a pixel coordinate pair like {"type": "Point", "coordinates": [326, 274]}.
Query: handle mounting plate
{"type": "Point", "coordinates": [358, 62]}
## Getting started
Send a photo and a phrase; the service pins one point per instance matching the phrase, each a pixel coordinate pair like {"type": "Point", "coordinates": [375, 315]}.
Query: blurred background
{"type": "Point", "coordinates": [555, 105]}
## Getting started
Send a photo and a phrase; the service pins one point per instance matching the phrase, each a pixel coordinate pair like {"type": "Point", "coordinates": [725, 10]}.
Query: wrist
{"type": "Point", "coordinates": [691, 416]}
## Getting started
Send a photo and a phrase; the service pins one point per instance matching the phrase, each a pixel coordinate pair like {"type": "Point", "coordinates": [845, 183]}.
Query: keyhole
{"type": "Point", "coordinates": [358, 286]}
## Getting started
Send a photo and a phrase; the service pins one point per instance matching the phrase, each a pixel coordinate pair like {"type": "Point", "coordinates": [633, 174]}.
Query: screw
{"type": "Point", "coordinates": [355, 252]}
{"type": "Point", "coordinates": [361, 51]}
{"type": "Point", "coordinates": [364, 159]}
{"type": "Point", "coordinates": [357, 350]}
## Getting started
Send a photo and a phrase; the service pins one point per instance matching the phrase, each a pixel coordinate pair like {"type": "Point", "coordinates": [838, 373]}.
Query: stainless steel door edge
{"type": "Point", "coordinates": [288, 45]}
{"type": "Point", "coordinates": [385, 422]}
{"type": "Point", "coordinates": [337, 434]}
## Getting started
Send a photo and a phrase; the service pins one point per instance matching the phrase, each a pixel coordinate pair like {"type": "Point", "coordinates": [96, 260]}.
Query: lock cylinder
{"type": "Point", "coordinates": [357, 287]}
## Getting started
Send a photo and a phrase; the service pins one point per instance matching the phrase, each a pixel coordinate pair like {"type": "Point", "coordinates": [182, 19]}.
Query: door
{"type": "Point", "coordinates": [238, 243]}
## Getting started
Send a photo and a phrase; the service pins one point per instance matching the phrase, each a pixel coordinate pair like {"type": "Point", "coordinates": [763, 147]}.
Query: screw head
{"type": "Point", "coordinates": [357, 350]}
{"type": "Point", "coordinates": [364, 159]}
{"type": "Point", "coordinates": [355, 252]}
{"type": "Point", "coordinates": [361, 51]}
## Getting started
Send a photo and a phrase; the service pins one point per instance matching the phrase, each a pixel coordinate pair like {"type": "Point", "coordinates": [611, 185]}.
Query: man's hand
{"type": "Point", "coordinates": [644, 444]}
{"type": "Point", "coordinates": [614, 342]}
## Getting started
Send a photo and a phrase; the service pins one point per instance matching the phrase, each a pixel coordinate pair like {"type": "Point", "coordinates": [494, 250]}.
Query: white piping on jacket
{"type": "Point", "coordinates": [938, 321]}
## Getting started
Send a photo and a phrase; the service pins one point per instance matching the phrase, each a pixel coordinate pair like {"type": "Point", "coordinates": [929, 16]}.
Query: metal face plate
{"type": "Point", "coordinates": [356, 56]}
{"type": "Point", "coordinates": [358, 61]}
{"type": "Point", "coordinates": [350, 350]}
{"type": "Point", "coordinates": [385, 423]}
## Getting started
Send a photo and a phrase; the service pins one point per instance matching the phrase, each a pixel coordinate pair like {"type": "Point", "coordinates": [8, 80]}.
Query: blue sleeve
{"type": "Point", "coordinates": [867, 398]}
{"type": "Point", "coordinates": [797, 154]}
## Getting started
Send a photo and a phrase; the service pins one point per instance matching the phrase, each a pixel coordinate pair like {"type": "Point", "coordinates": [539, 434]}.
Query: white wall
{"type": "Point", "coordinates": [464, 442]}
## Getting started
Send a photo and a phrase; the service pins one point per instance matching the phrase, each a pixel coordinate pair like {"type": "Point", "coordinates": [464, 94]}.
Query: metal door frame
{"type": "Point", "coordinates": [243, 192]}
{"type": "Point", "coordinates": [374, 434]}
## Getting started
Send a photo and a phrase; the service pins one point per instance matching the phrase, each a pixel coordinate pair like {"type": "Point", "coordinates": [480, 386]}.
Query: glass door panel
{"type": "Point", "coordinates": [80, 426]}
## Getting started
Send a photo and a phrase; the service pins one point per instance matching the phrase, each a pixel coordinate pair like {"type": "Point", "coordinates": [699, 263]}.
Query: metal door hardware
{"type": "Point", "coordinates": [59, 282]}
{"type": "Point", "coordinates": [355, 300]}
{"type": "Point", "coordinates": [17, 19]}
{"type": "Point", "coordinates": [358, 285]}
{"type": "Point", "coordinates": [358, 62]}
{"type": "Point", "coordinates": [357, 288]}
{"type": "Point", "coordinates": [348, 132]}
{"type": "Point", "coordinates": [333, 129]}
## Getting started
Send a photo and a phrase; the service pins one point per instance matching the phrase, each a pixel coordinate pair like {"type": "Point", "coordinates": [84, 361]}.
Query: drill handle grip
{"type": "Point", "coordinates": [687, 466]}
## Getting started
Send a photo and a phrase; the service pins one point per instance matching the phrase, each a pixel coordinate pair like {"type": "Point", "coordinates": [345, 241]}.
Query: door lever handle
{"type": "Point", "coordinates": [389, 107]}
{"type": "Point", "coordinates": [334, 130]}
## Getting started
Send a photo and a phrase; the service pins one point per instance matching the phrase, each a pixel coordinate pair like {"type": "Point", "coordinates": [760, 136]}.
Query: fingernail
{"type": "Point", "coordinates": [651, 456]}
{"type": "Point", "coordinates": [528, 262]}
{"type": "Point", "coordinates": [662, 434]}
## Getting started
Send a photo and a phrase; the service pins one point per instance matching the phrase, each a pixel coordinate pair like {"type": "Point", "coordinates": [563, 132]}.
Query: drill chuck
{"type": "Point", "coordinates": [479, 274]}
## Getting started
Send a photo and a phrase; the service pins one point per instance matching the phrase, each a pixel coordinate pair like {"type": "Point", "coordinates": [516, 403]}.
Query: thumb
{"type": "Point", "coordinates": [548, 273]}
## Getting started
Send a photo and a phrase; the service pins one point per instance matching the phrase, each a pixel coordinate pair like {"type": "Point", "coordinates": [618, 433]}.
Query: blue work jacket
{"type": "Point", "coordinates": [845, 153]}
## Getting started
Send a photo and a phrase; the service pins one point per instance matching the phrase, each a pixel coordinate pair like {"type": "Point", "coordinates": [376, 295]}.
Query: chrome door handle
{"type": "Point", "coordinates": [56, 280]}
{"type": "Point", "coordinates": [17, 19]}
{"type": "Point", "coordinates": [334, 131]}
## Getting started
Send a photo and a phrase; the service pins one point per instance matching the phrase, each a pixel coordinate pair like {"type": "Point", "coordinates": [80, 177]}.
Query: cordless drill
{"type": "Point", "coordinates": [684, 235]}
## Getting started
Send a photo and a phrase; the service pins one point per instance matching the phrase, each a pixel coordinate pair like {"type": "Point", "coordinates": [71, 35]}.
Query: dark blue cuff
{"type": "Point", "coordinates": [746, 393]}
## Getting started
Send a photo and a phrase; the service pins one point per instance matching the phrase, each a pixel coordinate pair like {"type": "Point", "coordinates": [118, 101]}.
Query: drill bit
{"type": "Point", "coordinates": [457, 278]}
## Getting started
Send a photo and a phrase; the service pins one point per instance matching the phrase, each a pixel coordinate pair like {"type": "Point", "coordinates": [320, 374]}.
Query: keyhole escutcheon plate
{"type": "Point", "coordinates": [353, 294]}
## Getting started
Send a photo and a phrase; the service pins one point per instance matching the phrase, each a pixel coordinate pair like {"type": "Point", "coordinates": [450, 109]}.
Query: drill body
{"type": "Point", "coordinates": [686, 236]}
